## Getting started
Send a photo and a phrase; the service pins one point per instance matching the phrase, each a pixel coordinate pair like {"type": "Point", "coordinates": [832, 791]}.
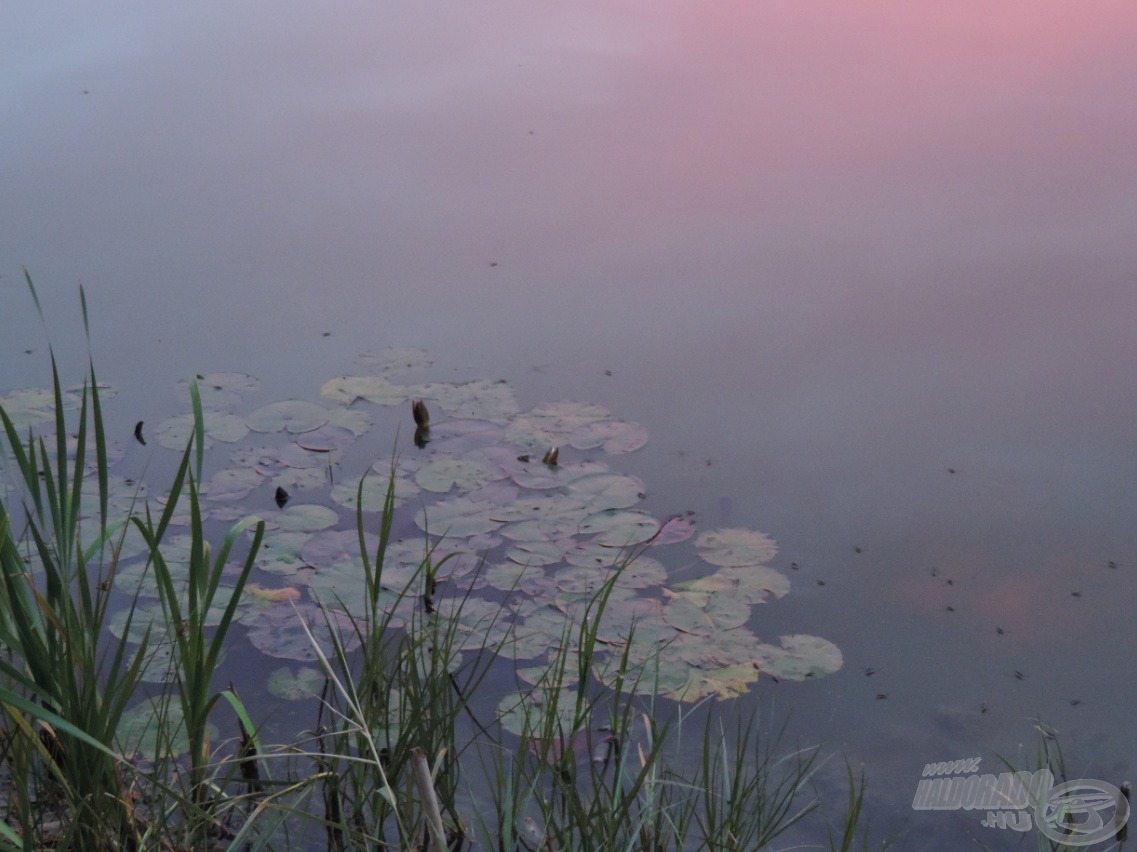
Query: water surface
{"type": "Point", "coordinates": [828, 253]}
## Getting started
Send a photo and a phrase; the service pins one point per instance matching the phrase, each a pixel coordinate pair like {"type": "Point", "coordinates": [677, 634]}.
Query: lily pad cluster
{"type": "Point", "coordinates": [520, 509]}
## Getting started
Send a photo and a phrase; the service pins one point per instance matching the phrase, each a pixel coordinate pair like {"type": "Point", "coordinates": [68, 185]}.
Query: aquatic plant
{"type": "Point", "coordinates": [526, 557]}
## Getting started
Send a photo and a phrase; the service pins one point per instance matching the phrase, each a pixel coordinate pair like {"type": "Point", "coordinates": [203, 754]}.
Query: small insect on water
{"type": "Point", "coordinates": [138, 433]}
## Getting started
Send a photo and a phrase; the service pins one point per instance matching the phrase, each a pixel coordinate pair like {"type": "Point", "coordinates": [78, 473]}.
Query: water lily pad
{"type": "Point", "coordinates": [291, 415]}
{"type": "Point", "coordinates": [551, 424]}
{"type": "Point", "coordinates": [614, 436]}
{"type": "Point", "coordinates": [303, 517]}
{"type": "Point", "coordinates": [722, 683]}
{"type": "Point", "coordinates": [536, 553]}
{"type": "Point", "coordinates": [591, 553]}
{"type": "Point", "coordinates": [29, 407]}
{"type": "Point", "coordinates": [155, 727]}
{"type": "Point", "coordinates": [220, 390]}
{"type": "Point", "coordinates": [174, 432]}
{"type": "Point", "coordinates": [355, 420]}
{"type": "Point", "coordinates": [338, 550]}
{"type": "Point", "coordinates": [675, 530]}
{"type": "Point", "coordinates": [735, 547]}
{"type": "Point", "coordinates": [280, 552]}
{"type": "Point", "coordinates": [304, 682]}
{"type": "Point", "coordinates": [643, 572]}
{"type": "Point", "coordinates": [347, 389]}
{"type": "Point", "coordinates": [395, 359]}
{"type": "Point", "coordinates": [507, 575]}
{"type": "Point", "coordinates": [232, 484]}
{"type": "Point", "coordinates": [374, 492]}
{"type": "Point", "coordinates": [267, 595]}
{"type": "Point", "coordinates": [581, 580]}
{"type": "Point", "coordinates": [619, 527]}
{"type": "Point", "coordinates": [457, 517]}
{"type": "Point", "coordinates": [536, 475]}
{"type": "Point", "coordinates": [441, 475]}
{"type": "Point", "coordinates": [480, 399]}
{"type": "Point", "coordinates": [607, 490]}
{"type": "Point", "coordinates": [280, 632]}
{"type": "Point", "coordinates": [523, 712]}
{"type": "Point", "coordinates": [326, 439]}
{"type": "Point", "coordinates": [300, 479]}
{"type": "Point", "coordinates": [801, 656]}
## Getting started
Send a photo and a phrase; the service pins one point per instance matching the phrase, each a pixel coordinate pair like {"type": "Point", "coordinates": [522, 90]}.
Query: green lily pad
{"type": "Point", "coordinates": [394, 359]}
{"type": "Point", "coordinates": [347, 389]}
{"type": "Point", "coordinates": [290, 415]}
{"type": "Point", "coordinates": [355, 420]}
{"type": "Point", "coordinates": [551, 424]}
{"type": "Point", "coordinates": [536, 553]}
{"type": "Point", "coordinates": [326, 439]}
{"type": "Point", "coordinates": [374, 492]}
{"type": "Point", "coordinates": [480, 399]}
{"type": "Point", "coordinates": [619, 527]}
{"type": "Point", "coordinates": [232, 484]}
{"type": "Point", "coordinates": [507, 575]}
{"type": "Point", "coordinates": [303, 517]}
{"type": "Point", "coordinates": [614, 436]}
{"type": "Point", "coordinates": [29, 407]}
{"type": "Point", "coordinates": [280, 632]}
{"type": "Point", "coordinates": [155, 727]}
{"type": "Point", "coordinates": [801, 656]}
{"type": "Point", "coordinates": [722, 683]}
{"type": "Point", "coordinates": [300, 479]}
{"type": "Point", "coordinates": [458, 517]}
{"type": "Point", "coordinates": [607, 490]}
{"type": "Point", "coordinates": [524, 711]}
{"type": "Point", "coordinates": [220, 390]}
{"type": "Point", "coordinates": [643, 572]}
{"type": "Point", "coordinates": [174, 432]}
{"type": "Point", "coordinates": [304, 682]}
{"type": "Point", "coordinates": [735, 547]}
{"type": "Point", "coordinates": [280, 552]}
{"type": "Point", "coordinates": [537, 476]}
{"type": "Point", "coordinates": [441, 475]}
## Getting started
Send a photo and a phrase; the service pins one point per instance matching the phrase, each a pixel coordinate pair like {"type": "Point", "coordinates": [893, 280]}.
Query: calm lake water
{"type": "Point", "coordinates": [866, 273]}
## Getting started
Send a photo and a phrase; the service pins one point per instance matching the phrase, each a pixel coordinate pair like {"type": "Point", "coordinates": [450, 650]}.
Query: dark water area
{"type": "Point", "coordinates": [866, 274]}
